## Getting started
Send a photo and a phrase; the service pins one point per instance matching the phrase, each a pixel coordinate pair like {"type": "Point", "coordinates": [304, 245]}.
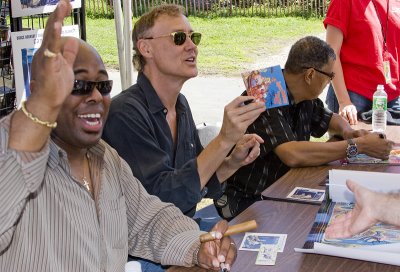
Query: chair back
{"type": "Point", "coordinates": [207, 132]}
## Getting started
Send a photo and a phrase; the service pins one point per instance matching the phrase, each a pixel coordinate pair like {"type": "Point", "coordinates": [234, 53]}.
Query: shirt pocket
{"type": "Point", "coordinates": [114, 222]}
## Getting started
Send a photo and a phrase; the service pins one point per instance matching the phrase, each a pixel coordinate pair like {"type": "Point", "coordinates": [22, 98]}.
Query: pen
{"type": "Point", "coordinates": [234, 229]}
{"type": "Point", "coordinates": [248, 101]}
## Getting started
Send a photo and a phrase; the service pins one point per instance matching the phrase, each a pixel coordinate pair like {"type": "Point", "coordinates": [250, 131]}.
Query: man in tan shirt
{"type": "Point", "coordinates": [69, 202]}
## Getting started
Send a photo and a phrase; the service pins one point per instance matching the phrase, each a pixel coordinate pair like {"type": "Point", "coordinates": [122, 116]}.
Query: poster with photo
{"type": "Point", "coordinates": [24, 46]}
{"type": "Point", "coordinates": [21, 8]}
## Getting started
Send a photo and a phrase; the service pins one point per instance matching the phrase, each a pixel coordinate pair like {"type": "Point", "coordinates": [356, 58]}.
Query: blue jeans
{"type": "Point", "coordinates": [206, 224]}
{"type": "Point", "coordinates": [207, 217]}
{"type": "Point", "coordinates": [362, 103]}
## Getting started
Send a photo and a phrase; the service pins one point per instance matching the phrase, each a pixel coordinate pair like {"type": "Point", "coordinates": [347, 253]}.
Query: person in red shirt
{"type": "Point", "coordinates": [367, 38]}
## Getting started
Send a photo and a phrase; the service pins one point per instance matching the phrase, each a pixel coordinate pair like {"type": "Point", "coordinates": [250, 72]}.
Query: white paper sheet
{"type": "Point", "coordinates": [387, 254]}
{"type": "Point", "coordinates": [376, 181]}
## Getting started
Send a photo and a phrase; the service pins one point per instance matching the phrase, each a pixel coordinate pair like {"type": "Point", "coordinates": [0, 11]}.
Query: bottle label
{"type": "Point", "coordinates": [386, 72]}
{"type": "Point", "coordinates": [380, 103]}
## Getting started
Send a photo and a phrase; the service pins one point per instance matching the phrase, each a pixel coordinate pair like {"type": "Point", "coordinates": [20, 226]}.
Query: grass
{"type": "Point", "coordinates": [228, 44]}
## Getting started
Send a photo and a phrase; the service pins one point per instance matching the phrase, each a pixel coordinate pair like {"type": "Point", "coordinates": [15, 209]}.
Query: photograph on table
{"type": "Point", "coordinates": [253, 241]}
{"type": "Point", "coordinates": [267, 255]}
{"type": "Point", "coordinates": [307, 194]}
{"type": "Point", "coordinates": [21, 8]}
{"type": "Point", "coordinates": [394, 159]}
{"type": "Point", "coordinates": [376, 235]}
{"type": "Point", "coordinates": [380, 243]}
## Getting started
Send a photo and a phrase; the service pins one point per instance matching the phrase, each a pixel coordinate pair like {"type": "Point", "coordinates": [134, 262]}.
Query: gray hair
{"type": "Point", "coordinates": [309, 52]}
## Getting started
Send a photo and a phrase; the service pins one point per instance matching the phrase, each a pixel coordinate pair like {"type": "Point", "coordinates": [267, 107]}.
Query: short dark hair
{"type": "Point", "coordinates": [145, 22]}
{"type": "Point", "coordinates": [309, 51]}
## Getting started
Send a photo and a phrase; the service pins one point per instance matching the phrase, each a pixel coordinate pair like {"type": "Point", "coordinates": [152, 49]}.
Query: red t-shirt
{"type": "Point", "coordinates": [362, 49]}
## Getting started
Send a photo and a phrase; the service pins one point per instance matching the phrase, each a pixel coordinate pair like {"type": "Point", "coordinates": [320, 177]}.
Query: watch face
{"type": "Point", "coordinates": [352, 151]}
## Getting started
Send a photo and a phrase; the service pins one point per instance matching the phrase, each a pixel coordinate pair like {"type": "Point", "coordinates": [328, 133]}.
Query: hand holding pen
{"type": "Point", "coordinates": [217, 250]}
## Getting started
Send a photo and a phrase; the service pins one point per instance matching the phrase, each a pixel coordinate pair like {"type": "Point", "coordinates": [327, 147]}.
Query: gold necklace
{"type": "Point", "coordinates": [84, 179]}
{"type": "Point", "coordinates": [86, 183]}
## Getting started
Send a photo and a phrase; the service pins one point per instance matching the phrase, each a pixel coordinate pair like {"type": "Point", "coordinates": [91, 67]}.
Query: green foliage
{"type": "Point", "coordinates": [220, 8]}
{"type": "Point", "coordinates": [228, 44]}
{"type": "Point", "coordinates": [101, 34]}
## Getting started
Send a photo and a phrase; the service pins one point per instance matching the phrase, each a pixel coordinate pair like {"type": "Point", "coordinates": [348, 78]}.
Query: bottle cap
{"type": "Point", "coordinates": [133, 266]}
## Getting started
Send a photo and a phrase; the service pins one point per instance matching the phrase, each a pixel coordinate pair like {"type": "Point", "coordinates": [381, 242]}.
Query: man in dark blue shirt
{"type": "Point", "coordinates": [286, 130]}
{"type": "Point", "coordinates": [151, 125]}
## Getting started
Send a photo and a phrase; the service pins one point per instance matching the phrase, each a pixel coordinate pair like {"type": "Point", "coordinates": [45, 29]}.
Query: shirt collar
{"type": "Point", "coordinates": [152, 99]}
{"type": "Point", "coordinates": [57, 153]}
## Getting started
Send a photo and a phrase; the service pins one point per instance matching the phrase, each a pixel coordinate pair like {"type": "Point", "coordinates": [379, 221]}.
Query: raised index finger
{"type": "Point", "coordinates": [52, 33]}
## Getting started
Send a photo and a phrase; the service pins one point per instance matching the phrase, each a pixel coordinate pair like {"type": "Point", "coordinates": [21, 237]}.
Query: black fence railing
{"type": "Point", "coordinates": [218, 8]}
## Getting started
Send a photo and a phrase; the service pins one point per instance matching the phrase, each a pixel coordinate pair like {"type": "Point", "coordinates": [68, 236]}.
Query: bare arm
{"type": "Point", "coordinates": [340, 127]}
{"type": "Point", "coordinates": [300, 154]}
{"type": "Point", "coordinates": [334, 37]}
{"type": "Point", "coordinates": [237, 117]}
{"type": "Point", "coordinates": [303, 153]}
{"type": "Point", "coordinates": [52, 80]}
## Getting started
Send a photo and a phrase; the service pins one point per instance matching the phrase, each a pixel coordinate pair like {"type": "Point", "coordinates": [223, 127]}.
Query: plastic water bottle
{"type": "Point", "coordinates": [379, 106]}
{"type": "Point", "coordinates": [133, 266]}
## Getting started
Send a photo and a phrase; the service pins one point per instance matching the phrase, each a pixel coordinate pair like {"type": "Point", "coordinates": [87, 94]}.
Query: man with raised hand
{"type": "Point", "coordinates": [69, 202]}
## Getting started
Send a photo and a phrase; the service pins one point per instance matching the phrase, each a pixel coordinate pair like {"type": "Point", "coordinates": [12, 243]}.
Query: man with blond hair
{"type": "Point", "coordinates": [151, 124]}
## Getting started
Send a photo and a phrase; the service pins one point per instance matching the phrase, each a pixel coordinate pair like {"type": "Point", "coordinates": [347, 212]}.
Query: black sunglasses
{"type": "Point", "coordinates": [179, 37]}
{"type": "Point", "coordinates": [85, 87]}
{"type": "Point", "coordinates": [330, 75]}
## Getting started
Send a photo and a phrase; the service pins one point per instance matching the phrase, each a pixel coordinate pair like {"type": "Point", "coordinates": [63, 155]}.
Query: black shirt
{"type": "Point", "coordinates": [294, 122]}
{"type": "Point", "coordinates": [137, 128]}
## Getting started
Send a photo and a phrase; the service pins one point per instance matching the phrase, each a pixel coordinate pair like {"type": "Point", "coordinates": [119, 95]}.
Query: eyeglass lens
{"type": "Point", "coordinates": [180, 37]}
{"type": "Point", "coordinates": [84, 87]}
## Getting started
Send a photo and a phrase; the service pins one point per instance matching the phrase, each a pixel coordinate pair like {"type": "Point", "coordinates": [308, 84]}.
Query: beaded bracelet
{"type": "Point", "coordinates": [35, 119]}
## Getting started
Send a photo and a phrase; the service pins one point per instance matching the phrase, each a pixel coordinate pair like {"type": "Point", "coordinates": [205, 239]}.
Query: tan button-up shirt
{"type": "Point", "coordinates": [50, 222]}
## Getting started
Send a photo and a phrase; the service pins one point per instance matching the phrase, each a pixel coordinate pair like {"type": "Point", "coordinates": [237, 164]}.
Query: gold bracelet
{"type": "Point", "coordinates": [35, 119]}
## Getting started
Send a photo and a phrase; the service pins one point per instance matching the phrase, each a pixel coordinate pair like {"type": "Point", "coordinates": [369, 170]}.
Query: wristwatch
{"type": "Point", "coordinates": [352, 149]}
